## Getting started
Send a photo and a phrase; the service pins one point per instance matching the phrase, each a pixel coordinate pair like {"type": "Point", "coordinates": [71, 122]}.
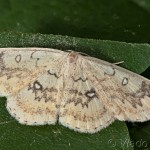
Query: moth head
{"type": "Point", "coordinates": [72, 57]}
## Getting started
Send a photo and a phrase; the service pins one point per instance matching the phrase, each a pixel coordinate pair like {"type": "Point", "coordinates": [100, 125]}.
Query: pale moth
{"type": "Point", "coordinates": [45, 85]}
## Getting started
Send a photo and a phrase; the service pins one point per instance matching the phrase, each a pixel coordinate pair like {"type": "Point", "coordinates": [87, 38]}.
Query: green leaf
{"type": "Point", "coordinates": [115, 136]}
{"type": "Point", "coordinates": [144, 4]}
{"type": "Point", "coordinates": [140, 135]}
{"type": "Point", "coordinates": [120, 20]}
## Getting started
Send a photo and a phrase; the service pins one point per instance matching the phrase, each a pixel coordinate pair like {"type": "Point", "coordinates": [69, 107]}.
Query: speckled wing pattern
{"type": "Point", "coordinates": [27, 78]}
{"type": "Point", "coordinates": [86, 94]}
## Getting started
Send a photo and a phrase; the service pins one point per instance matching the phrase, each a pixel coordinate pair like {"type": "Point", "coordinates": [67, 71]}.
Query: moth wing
{"type": "Point", "coordinates": [38, 102]}
{"type": "Point", "coordinates": [20, 66]}
{"type": "Point", "coordinates": [31, 79]}
{"type": "Point", "coordinates": [124, 93]}
{"type": "Point", "coordinates": [80, 108]}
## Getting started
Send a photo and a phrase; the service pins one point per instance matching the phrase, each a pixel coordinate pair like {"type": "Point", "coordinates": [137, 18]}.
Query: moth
{"type": "Point", "coordinates": [86, 94]}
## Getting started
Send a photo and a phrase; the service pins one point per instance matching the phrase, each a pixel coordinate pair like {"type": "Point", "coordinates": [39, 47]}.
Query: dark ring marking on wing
{"type": "Point", "coordinates": [91, 93]}
{"type": "Point", "coordinates": [36, 86]}
{"type": "Point", "coordinates": [53, 74]}
{"type": "Point", "coordinates": [125, 81]}
{"type": "Point", "coordinates": [18, 58]}
{"type": "Point", "coordinates": [76, 80]}
{"type": "Point", "coordinates": [41, 93]}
